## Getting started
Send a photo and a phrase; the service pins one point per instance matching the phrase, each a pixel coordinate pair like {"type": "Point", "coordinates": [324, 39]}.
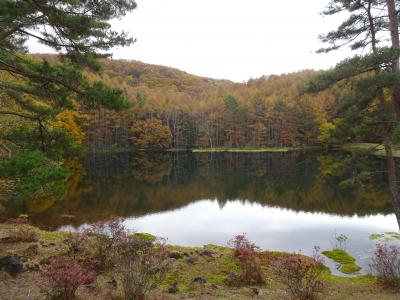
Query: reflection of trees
{"type": "Point", "coordinates": [151, 169]}
{"type": "Point", "coordinates": [302, 182]}
{"type": "Point", "coordinates": [40, 205]}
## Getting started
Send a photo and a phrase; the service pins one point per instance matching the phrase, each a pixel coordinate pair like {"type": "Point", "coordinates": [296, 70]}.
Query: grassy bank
{"type": "Point", "coordinates": [246, 150]}
{"type": "Point", "coordinates": [211, 263]}
{"type": "Point", "coordinates": [375, 149]}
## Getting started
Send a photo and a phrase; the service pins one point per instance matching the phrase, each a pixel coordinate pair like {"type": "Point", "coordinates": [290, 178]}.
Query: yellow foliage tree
{"type": "Point", "coordinates": [150, 135]}
{"type": "Point", "coordinates": [66, 120]}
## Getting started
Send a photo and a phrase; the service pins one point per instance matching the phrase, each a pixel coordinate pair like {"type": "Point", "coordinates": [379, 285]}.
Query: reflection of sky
{"type": "Point", "coordinates": [205, 222]}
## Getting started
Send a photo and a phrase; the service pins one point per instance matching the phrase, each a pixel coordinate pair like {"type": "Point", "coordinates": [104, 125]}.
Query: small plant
{"type": "Point", "coordinates": [339, 241]}
{"type": "Point", "coordinates": [143, 265]}
{"type": "Point", "coordinates": [21, 233]}
{"type": "Point", "coordinates": [386, 264]}
{"type": "Point", "coordinates": [66, 276]}
{"type": "Point", "coordinates": [74, 242]}
{"type": "Point", "coordinates": [301, 274]}
{"type": "Point", "coordinates": [245, 254]}
{"type": "Point", "coordinates": [102, 238]}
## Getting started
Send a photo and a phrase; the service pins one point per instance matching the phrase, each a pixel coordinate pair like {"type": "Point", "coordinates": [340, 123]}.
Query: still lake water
{"type": "Point", "coordinates": [282, 201]}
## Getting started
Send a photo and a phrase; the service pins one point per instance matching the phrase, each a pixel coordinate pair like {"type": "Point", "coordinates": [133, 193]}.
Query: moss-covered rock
{"type": "Point", "coordinates": [348, 263]}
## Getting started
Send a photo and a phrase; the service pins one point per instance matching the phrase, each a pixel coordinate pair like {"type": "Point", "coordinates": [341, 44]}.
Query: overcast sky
{"type": "Point", "coordinates": [228, 39]}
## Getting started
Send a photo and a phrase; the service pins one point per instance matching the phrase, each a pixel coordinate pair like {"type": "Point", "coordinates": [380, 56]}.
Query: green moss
{"type": "Point", "coordinates": [51, 236]}
{"type": "Point", "coordinates": [245, 150]}
{"type": "Point", "coordinates": [213, 269]}
{"type": "Point", "coordinates": [276, 253]}
{"type": "Point", "coordinates": [362, 279]}
{"type": "Point", "coordinates": [215, 247]}
{"type": "Point", "coordinates": [374, 149]}
{"type": "Point", "coordinates": [394, 235]}
{"type": "Point", "coordinates": [144, 236]}
{"type": "Point", "coordinates": [218, 279]}
{"type": "Point", "coordinates": [350, 268]}
{"type": "Point", "coordinates": [375, 236]}
{"type": "Point", "coordinates": [348, 265]}
{"type": "Point", "coordinates": [184, 248]}
{"type": "Point", "coordinates": [387, 236]}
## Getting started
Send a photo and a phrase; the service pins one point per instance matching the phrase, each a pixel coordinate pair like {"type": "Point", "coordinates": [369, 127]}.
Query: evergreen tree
{"type": "Point", "coordinates": [41, 94]}
{"type": "Point", "coordinates": [368, 107]}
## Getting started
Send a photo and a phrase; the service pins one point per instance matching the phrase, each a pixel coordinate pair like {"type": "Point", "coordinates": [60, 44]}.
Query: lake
{"type": "Point", "coordinates": [282, 201]}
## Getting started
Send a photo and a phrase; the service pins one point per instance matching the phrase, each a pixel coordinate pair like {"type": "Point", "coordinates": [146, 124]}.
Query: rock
{"type": "Point", "coordinates": [113, 283]}
{"type": "Point", "coordinates": [176, 254]}
{"type": "Point", "coordinates": [207, 252]}
{"type": "Point", "coordinates": [215, 287]}
{"type": "Point", "coordinates": [11, 264]}
{"type": "Point", "coordinates": [173, 289]}
{"type": "Point", "coordinates": [45, 261]}
{"type": "Point", "coordinates": [31, 266]}
{"type": "Point", "coordinates": [199, 280]}
{"type": "Point", "coordinates": [231, 278]}
{"type": "Point", "coordinates": [192, 259]}
{"type": "Point", "coordinates": [31, 250]}
{"type": "Point", "coordinates": [256, 291]}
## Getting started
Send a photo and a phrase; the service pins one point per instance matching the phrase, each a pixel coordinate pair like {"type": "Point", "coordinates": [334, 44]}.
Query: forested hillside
{"type": "Point", "coordinates": [173, 109]}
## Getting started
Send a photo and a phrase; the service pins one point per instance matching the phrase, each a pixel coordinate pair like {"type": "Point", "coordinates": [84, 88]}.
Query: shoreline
{"type": "Point", "coordinates": [212, 264]}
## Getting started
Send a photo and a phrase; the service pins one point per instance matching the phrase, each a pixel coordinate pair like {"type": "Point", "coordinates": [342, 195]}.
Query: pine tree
{"type": "Point", "coordinates": [367, 108]}
{"type": "Point", "coordinates": [37, 89]}
{"type": "Point", "coordinates": [43, 93]}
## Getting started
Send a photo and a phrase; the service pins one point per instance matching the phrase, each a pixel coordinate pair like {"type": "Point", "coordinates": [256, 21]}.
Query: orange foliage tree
{"type": "Point", "coordinates": [150, 135]}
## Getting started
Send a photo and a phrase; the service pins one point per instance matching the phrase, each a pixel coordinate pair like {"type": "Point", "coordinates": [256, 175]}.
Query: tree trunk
{"type": "Point", "coordinates": [394, 34]}
{"type": "Point", "coordinates": [391, 168]}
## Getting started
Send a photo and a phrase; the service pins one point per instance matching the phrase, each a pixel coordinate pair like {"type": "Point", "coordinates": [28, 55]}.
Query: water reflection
{"type": "Point", "coordinates": [204, 222]}
{"type": "Point", "coordinates": [131, 185]}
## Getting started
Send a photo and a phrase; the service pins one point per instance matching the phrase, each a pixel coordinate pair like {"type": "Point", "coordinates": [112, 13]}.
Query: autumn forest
{"type": "Point", "coordinates": [172, 109]}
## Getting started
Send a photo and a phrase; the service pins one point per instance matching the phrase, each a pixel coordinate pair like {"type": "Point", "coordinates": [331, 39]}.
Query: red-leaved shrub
{"type": "Point", "coordinates": [301, 274]}
{"type": "Point", "coordinates": [142, 266]}
{"type": "Point", "coordinates": [66, 276]}
{"type": "Point", "coordinates": [245, 253]}
{"type": "Point", "coordinates": [102, 239]}
{"type": "Point", "coordinates": [386, 264]}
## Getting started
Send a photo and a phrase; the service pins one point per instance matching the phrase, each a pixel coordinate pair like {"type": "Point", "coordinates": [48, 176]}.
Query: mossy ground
{"type": "Point", "coordinates": [144, 236]}
{"type": "Point", "coordinates": [375, 149]}
{"type": "Point", "coordinates": [385, 237]}
{"type": "Point", "coordinates": [213, 265]}
{"type": "Point", "coordinates": [348, 263]}
{"type": "Point", "coordinates": [245, 150]}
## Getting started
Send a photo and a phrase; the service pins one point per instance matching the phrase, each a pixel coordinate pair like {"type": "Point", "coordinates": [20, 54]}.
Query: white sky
{"type": "Point", "coordinates": [228, 39]}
